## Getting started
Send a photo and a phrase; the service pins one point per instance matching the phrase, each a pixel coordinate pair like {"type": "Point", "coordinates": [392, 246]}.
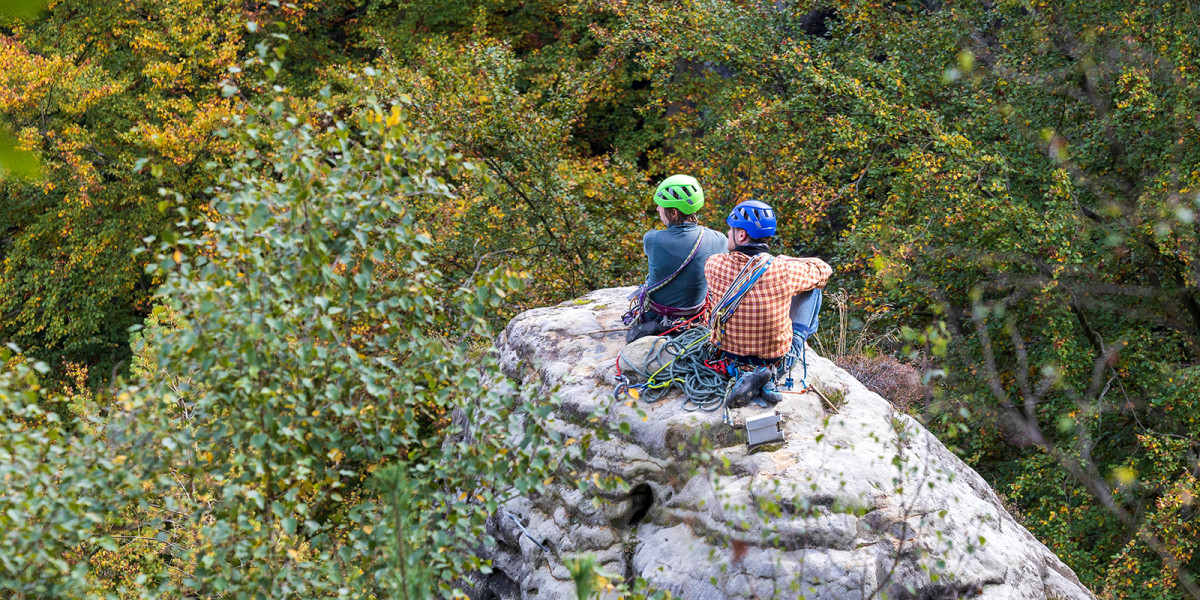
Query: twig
{"type": "Point", "coordinates": [817, 392]}
{"type": "Point", "coordinates": [607, 330]}
{"type": "Point", "coordinates": [525, 531]}
{"type": "Point", "coordinates": [827, 400]}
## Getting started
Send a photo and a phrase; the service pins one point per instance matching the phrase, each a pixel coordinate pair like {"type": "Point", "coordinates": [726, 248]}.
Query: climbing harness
{"type": "Point", "coordinates": [640, 298]}
{"type": "Point", "coordinates": [700, 371]}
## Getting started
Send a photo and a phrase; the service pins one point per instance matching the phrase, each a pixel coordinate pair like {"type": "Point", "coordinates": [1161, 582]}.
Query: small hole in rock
{"type": "Point", "coordinates": [499, 586]}
{"type": "Point", "coordinates": [641, 498]}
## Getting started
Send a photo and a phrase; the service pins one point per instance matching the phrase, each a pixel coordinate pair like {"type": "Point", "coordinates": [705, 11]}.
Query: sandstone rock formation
{"type": "Point", "coordinates": [858, 502]}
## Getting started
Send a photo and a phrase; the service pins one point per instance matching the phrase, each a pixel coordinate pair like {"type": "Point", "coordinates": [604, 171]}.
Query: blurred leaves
{"type": "Point", "coordinates": [21, 8]}
{"type": "Point", "coordinates": [15, 162]}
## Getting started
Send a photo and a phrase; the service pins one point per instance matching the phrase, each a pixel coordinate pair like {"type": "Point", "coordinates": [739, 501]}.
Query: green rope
{"type": "Point", "coordinates": [682, 358]}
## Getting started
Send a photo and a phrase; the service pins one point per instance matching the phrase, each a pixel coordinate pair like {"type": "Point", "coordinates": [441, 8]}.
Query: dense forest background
{"type": "Point", "coordinates": [1007, 189]}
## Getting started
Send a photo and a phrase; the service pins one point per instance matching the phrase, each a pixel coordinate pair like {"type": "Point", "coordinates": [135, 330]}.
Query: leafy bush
{"type": "Point", "coordinates": [304, 325]}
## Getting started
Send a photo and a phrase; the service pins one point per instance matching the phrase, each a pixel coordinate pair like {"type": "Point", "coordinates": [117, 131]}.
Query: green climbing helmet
{"type": "Point", "coordinates": [681, 192]}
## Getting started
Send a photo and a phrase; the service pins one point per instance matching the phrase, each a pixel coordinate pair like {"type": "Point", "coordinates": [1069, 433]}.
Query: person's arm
{"type": "Point", "coordinates": [808, 273]}
{"type": "Point", "coordinates": [715, 291]}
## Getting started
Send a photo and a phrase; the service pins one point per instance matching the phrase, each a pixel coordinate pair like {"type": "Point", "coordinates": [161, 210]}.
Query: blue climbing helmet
{"type": "Point", "coordinates": [757, 218]}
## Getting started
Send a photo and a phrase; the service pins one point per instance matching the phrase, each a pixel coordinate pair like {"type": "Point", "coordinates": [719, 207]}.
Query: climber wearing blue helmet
{"type": "Point", "coordinates": [750, 298]}
{"type": "Point", "coordinates": [756, 218]}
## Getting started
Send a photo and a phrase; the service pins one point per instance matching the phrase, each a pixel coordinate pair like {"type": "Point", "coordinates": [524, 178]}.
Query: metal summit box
{"type": "Point", "coordinates": [763, 429]}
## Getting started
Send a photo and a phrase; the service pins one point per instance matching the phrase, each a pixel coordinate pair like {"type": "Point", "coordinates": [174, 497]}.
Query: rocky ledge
{"type": "Point", "coordinates": [859, 501]}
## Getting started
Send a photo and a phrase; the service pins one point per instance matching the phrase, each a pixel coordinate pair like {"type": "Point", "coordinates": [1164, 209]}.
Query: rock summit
{"type": "Point", "coordinates": [859, 501]}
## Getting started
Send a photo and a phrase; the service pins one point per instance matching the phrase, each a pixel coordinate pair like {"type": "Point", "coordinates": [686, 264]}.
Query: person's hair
{"type": "Point", "coordinates": [676, 217]}
{"type": "Point", "coordinates": [754, 240]}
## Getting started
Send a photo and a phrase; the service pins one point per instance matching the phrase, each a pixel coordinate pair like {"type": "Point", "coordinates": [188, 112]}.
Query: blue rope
{"type": "Point", "coordinates": [798, 353]}
{"type": "Point", "coordinates": [745, 279]}
{"type": "Point", "coordinates": [806, 309]}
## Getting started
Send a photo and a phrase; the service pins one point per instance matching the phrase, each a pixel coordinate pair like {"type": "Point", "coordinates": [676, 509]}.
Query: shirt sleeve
{"type": "Point", "coordinates": [646, 250]}
{"type": "Point", "coordinates": [808, 273]}
{"type": "Point", "coordinates": [710, 277]}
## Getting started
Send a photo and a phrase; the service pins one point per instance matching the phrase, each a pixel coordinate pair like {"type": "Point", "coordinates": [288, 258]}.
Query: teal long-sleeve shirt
{"type": "Point", "coordinates": [665, 251]}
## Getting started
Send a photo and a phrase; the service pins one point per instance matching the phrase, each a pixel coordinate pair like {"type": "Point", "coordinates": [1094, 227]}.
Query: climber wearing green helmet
{"type": "Point", "coordinates": [675, 287]}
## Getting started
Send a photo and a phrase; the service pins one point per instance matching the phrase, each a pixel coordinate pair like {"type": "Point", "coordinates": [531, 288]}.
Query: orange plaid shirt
{"type": "Point", "coordinates": [762, 324]}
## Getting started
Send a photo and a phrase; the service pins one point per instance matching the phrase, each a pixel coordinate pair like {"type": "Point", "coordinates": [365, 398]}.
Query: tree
{"type": "Point", "coordinates": [305, 359]}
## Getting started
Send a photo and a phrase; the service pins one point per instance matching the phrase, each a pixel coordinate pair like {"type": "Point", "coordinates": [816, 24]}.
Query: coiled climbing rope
{"type": "Point", "coordinates": [689, 362]}
{"type": "Point", "coordinates": [682, 364]}
{"type": "Point", "coordinates": [692, 365]}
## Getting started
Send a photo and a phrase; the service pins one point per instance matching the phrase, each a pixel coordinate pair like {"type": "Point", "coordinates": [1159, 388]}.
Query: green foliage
{"type": "Point", "coordinates": [541, 201]}
{"type": "Point", "coordinates": [1015, 182]}
{"type": "Point", "coordinates": [21, 8]}
{"type": "Point", "coordinates": [302, 318]}
{"type": "Point", "coordinates": [116, 101]}
{"type": "Point", "coordinates": [58, 489]}
{"type": "Point", "coordinates": [308, 307]}
{"type": "Point", "coordinates": [158, 328]}
{"type": "Point", "coordinates": [15, 162]}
